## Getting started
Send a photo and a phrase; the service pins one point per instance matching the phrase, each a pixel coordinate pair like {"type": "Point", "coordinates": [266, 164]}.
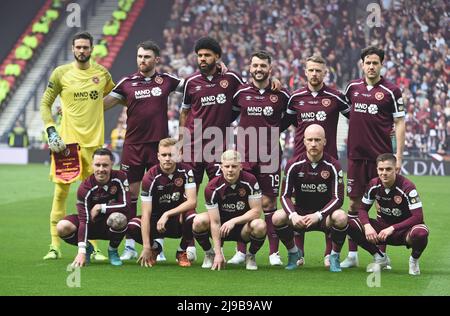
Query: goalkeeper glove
{"type": "Point", "coordinates": [55, 142]}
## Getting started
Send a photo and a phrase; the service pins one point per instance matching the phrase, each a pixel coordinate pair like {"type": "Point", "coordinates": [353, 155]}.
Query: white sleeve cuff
{"type": "Point", "coordinates": [82, 247]}
{"type": "Point", "coordinates": [103, 210]}
{"type": "Point", "coordinates": [319, 215]}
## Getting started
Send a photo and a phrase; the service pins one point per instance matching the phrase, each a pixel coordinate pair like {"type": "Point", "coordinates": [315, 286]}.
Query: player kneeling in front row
{"type": "Point", "coordinates": [400, 220]}
{"type": "Point", "coordinates": [169, 198]}
{"type": "Point", "coordinates": [103, 206]}
{"type": "Point", "coordinates": [315, 181]}
{"type": "Point", "coordinates": [233, 200]}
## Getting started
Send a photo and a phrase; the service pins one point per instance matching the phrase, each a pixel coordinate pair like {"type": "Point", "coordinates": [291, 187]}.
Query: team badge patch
{"type": "Point", "coordinates": [113, 190]}
{"type": "Point", "coordinates": [224, 83]}
{"type": "Point", "coordinates": [325, 174]}
{"type": "Point", "coordinates": [178, 182]}
{"type": "Point", "coordinates": [273, 98]}
{"type": "Point", "coordinates": [397, 199]}
{"type": "Point", "coordinates": [95, 80]}
{"type": "Point", "coordinates": [159, 80]}
{"type": "Point", "coordinates": [379, 96]}
{"type": "Point", "coordinates": [413, 193]}
{"type": "Point", "coordinates": [326, 102]}
{"type": "Point", "coordinates": [241, 192]}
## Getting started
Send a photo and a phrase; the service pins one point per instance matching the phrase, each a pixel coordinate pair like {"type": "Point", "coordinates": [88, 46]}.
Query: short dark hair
{"type": "Point", "coordinates": [83, 35]}
{"type": "Point", "coordinates": [103, 152]}
{"type": "Point", "coordinates": [150, 45]}
{"type": "Point", "coordinates": [371, 50]}
{"type": "Point", "coordinates": [208, 43]}
{"type": "Point", "coordinates": [387, 157]}
{"type": "Point", "coordinates": [262, 54]}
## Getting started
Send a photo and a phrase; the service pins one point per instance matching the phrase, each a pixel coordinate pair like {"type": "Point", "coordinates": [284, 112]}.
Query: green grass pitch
{"type": "Point", "coordinates": [26, 195]}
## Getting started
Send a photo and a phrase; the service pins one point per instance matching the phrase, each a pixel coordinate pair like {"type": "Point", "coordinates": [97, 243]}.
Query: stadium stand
{"type": "Point", "coordinates": [27, 45]}
{"type": "Point", "coordinates": [116, 31]}
{"type": "Point", "coordinates": [413, 33]}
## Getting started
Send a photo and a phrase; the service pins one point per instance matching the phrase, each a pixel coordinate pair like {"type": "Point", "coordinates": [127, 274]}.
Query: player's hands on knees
{"type": "Point", "coordinates": [371, 234]}
{"type": "Point", "coordinates": [310, 220]}
{"type": "Point", "coordinates": [226, 228]}
{"type": "Point", "coordinates": [95, 211]}
{"type": "Point", "coordinates": [146, 258]}
{"type": "Point", "coordinates": [55, 142]}
{"type": "Point", "coordinates": [219, 262]}
{"type": "Point", "coordinates": [298, 221]}
{"type": "Point", "coordinates": [385, 233]}
{"type": "Point", "coordinates": [80, 260]}
{"type": "Point", "coordinates": [161, 225]}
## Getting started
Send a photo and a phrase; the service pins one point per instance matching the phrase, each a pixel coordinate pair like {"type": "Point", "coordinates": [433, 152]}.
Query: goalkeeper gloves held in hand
{"type": "Point", "coordinates": [55, 143]}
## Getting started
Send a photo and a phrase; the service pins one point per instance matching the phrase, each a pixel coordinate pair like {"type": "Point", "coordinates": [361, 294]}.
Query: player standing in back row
{"type": "Point", "coordinates": [145, 94]}
{"type": "Point", "coordinates": [316, 104]}
{"type": "Point", "coordinates": [261, 113]}
{"type": "Point", "coordinates": [376, 105]}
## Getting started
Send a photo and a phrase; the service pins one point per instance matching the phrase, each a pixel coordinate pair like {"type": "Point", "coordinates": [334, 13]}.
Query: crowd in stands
{"type": "Point", "coordinates": [413, 34]}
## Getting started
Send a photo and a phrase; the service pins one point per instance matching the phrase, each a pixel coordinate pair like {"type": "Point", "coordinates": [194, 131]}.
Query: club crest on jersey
{"type": "Point", "coordinates": [397, 199]}
{"type": "Point", "coordinates": [241, 192]}
{"type": "Point", "coordinates": [224, 83]}
{"type": "Point", "coordinates": [113, 189]}
{"type": "Point", "coordinates": [325, 174]}
{"type": "Point", "coordinates": [326, 102]}
{"type": "Point", "coordinates": [95, 80]}
{"type": "Point", "coordinates": [379, 96]}
{"type": "Point", "coordinates": [273, 98]}
{"type": "Point", "coordinates": [178, 182]}
{"type": "Point", "coordinates": [159, 80]}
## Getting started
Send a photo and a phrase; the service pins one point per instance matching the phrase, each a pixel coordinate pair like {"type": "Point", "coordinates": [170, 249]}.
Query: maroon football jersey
{"type": "Point", "coordinates": [373, 109]}
{"type": "Point", "coordinates": [264, 110]}
{"type": "Point", "coordinates": [115, 195]}
{"type": "Point", "coordinates": [164, 191]}
{"type": "Point", "coordinates": [232, 200]}
{"type": "Point", "coordinates": [210, 99]}
{"type": "Point", "coordinates": [316, 187]}
{"type": "Point", "coordinates": [400, 205]}
{"type": "Point", "coordinates": [321, 107]}
{"type": "Point", "coordinates": [146, 101]}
